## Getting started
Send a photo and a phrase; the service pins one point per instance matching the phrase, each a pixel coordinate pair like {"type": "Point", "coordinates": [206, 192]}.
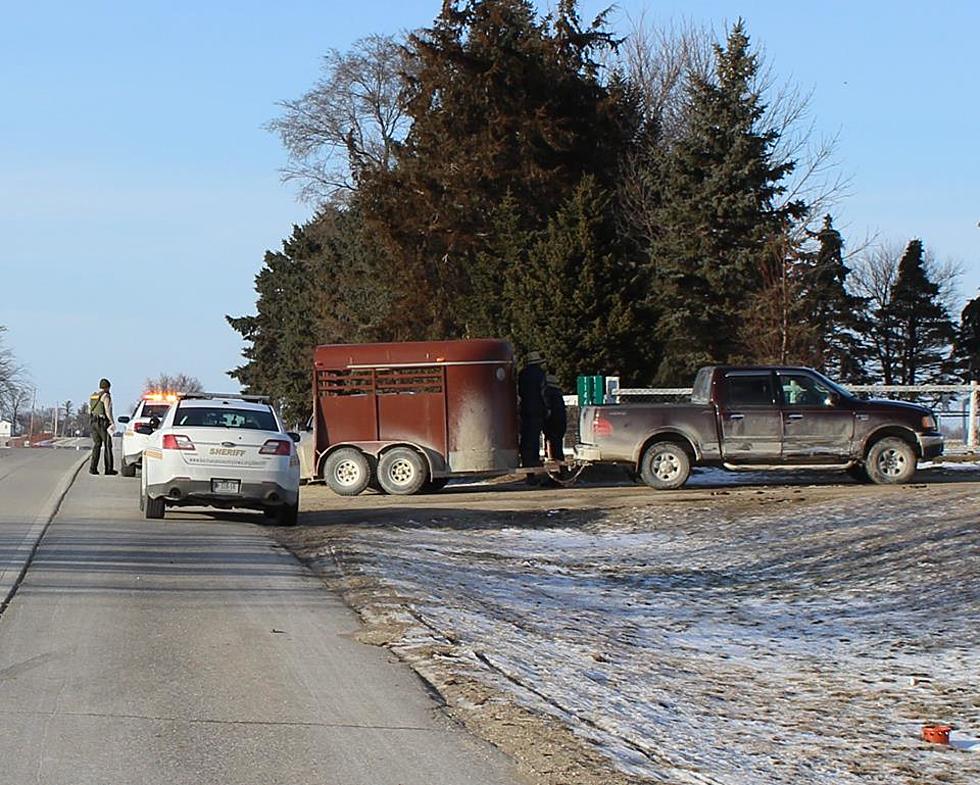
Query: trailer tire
{"type": "Point", "coordinates": [402, 471]}
{"type": "Point", "coordinates": [347, 471]}
{"type": "Point", "coordinates": [665, 466]}
{"type": "Point", "coordinates": [153, 509]}
{"type": "Point", "coordinates": [435, 485]}
{"type": "Point", "coordinates": [891, 461]}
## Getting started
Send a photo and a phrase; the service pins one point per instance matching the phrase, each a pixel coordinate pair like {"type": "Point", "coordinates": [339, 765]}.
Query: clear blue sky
{"type": "Point", "coordinates": [138, 190]}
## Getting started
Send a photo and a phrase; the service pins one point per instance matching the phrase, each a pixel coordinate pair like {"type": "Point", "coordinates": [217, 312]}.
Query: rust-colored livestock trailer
{"type": "Point", "coordinates": [409, 416]}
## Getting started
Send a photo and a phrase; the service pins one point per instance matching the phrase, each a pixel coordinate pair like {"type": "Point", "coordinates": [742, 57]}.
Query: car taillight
{"type": "Point", "coordinates": [276, 447]}
{"type": "Point", "coordinates": [175, 441]}
{"type": "Point", "coordinates": [601, 426]}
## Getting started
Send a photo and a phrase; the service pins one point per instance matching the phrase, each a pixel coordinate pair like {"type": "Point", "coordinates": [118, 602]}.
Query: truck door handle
{"type": "Point", "coordinates": [794, 416]}
{"type": "Point", "coordinates": [736, 416]}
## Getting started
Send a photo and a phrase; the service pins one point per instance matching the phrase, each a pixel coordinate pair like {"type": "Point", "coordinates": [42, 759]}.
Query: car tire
{"type": "Point", "coordinates": [891, 461]}
{"type": "Point", "coordinates": [347, 472]}
{"type": "Point", "coordinates": [153, 509]}
{"type": "Point", "coordinates": [665, 466]}
{"type": "Point", "coordinates": [859, 473]}
{"type": "Point", "coordinates": [402, 472]}
{"type": "Point", "coordinates": [127, 469]}
{"type": "Point", "coordinates": [286, 515]}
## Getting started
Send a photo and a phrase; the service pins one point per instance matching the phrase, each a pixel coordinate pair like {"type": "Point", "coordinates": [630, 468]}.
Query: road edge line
{"type": "Point", "coordinates": [40, 527]}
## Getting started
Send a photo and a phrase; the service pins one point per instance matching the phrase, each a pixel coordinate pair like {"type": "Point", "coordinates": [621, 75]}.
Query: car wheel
{"type": "Point", "coordinates": [859, 473]}
{"type": "Point", "coordinates": [891, 461]}
{"type": "Point", "coordinates": [665, 466]}
{"type": "Point", "coordinates": [402, 471]}
{"type": "Point", "coordinates": [153, 508]}
{"type": "Point", "coordinates": [347, 471]}
{"type": "Point", "coordinates": [286, 514]}
{"type": "Point", "coordinates": [128, 469]}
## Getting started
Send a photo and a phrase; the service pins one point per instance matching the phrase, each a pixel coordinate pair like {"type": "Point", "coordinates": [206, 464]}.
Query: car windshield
{"type": "Point", "coordinates": [154, 410]}
{"type": "Point", "coordinates": [225, 417]}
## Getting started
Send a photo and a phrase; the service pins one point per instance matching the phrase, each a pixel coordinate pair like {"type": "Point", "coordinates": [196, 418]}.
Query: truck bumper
{"type": "Point", "coordinates": [930, 446]}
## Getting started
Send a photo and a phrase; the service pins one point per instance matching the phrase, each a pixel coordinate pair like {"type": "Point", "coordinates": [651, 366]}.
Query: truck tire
{"type": "Point", "coordinates": [402, 471]}
{"type": "Point", "coordinates": [285, 515]}
{"type": "Point", "coordinates": [347, 471]}
{"type": "Point", "coordinates": [127, 469]}
{"type": "Point", "coordinates": [665, 466]}
{"type": "Point", "coordinates": [859, 474]}
{"type": "Point", "coordinates": [891, 461]}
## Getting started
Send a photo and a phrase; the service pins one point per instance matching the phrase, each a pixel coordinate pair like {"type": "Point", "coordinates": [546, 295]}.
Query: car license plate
{"type": "Point", "coordinates": [226, 486]}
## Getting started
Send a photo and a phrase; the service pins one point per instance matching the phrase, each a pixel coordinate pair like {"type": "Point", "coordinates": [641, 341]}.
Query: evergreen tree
{"type": "Point", "coordinates": [965, 359]}
{"type": "Point", "coordinates": [720, 228]}
{"type": "Point", "coordinates": [574, 297]}
{"type": "Point", "coordinates": [918, 323]}
{"type": "Point", "coordinates": [500, 103]}
{"type": "Point", "coordinates": [834, 314]}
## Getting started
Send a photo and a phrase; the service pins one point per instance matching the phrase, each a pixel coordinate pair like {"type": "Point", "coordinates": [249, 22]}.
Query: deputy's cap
{"type": "Point", "coordinates": [104, 384]}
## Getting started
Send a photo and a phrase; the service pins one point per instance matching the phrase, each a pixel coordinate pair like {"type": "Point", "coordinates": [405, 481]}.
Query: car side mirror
{"type": "Point", "coordinates": [154, 423]}
{"type": "Point", "coordinates": [294, 436]}
{"type": "Point", "coordinates": [123, 419]}
{"type": "Point", "coordinates": [143, 429]}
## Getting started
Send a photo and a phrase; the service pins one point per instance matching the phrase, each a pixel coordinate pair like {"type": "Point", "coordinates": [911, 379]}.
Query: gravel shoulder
{"type": "Point", "coordinates": [778, 628]}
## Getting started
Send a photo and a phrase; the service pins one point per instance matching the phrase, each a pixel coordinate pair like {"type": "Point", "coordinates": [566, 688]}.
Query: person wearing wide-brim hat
{"type": "Point", "coordinates": [533, 409]}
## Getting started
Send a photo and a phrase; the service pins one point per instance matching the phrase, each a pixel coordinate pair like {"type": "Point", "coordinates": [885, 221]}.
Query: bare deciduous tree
{"type": "Point", "coordinates": [349, 121]}
{"type": "Point", "coordinates": [178, 382]}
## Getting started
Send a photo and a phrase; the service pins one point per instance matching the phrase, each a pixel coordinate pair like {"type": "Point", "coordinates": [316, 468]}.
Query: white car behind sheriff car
{"type": "Point", "coordinates": [151, 405]}
{"type": "Point", "coordinates": [221, 451]}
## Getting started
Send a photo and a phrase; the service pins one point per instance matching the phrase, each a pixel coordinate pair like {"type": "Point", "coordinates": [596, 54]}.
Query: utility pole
{"type": "Point", "coordinates": [57, 411]}
{"type": "Point", "coordinates": [30, 433]}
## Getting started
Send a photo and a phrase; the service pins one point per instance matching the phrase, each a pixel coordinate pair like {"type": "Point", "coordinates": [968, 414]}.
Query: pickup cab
{"type": "Point", "coordinates": [761, 417]}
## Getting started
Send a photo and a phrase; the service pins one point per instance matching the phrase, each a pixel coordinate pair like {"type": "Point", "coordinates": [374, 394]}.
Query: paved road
{"type": "Point", "coordinates": [31, 485]}
{"type": "Point", "coordinates": [194, 650]}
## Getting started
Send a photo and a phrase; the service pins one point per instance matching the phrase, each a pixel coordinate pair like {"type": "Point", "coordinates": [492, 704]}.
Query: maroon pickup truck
{"type": "Point", "coordinates": [761, 418]}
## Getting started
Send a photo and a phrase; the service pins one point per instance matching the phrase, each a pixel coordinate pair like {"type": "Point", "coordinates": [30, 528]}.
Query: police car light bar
{"type": "Point", "coordinates": [233, 396]}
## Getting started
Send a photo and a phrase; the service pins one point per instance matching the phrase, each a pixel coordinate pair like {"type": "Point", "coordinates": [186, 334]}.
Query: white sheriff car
{"type": "Point", "coordinates": [152, 405]}
{"type": "Point", "coordinates": [221, 451]}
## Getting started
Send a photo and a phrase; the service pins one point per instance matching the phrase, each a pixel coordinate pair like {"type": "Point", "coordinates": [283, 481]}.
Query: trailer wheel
{"type": "Point", "coordinates": [402, 471]}
{"type": "Point", "coordinates": [891, 461]}
{"type": "Point", "coordinates": [665, 466]}
{"type": "Point", "coordinates": [347, 471]}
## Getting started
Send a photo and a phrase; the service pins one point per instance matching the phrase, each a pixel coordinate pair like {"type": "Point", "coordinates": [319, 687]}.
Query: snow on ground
{"type": "Point", "coordinates": [716, 641]}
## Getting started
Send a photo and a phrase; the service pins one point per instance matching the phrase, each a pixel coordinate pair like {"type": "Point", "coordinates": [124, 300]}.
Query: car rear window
{"type": "Point", "coordinates": [224, 417]}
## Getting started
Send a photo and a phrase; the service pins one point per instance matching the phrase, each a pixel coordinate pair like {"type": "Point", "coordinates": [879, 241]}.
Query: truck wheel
{"type": "Point", "coordinates": [128, 469]}
{"type": "Point", "coordinates": [665, 466]}
{"type": "Point", "coordinates": [402, 471]}
{"type": "Point", "coordinates": [347, 471]}
{"type": "Point", "coordinates": [891, 461]}
{"type": "Point", "coordinates": [153, 508]}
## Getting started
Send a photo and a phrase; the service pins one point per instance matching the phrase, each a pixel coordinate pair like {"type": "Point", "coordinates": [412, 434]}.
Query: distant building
{"type": "Point", "coordinates": [4, 433]}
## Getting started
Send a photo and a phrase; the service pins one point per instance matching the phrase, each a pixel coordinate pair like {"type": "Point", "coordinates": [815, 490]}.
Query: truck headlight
{"type": "Point", "coordinates": [928, 422]}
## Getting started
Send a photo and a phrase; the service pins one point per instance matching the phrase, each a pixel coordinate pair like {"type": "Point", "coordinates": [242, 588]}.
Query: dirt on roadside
{"type": "Point", "coordinates": [546, 751]}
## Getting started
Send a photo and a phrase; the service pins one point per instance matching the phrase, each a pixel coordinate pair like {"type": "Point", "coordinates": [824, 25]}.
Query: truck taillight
{"type": "Point", "coordinates": [601, 426]}
{"type": "Point", "coordinates": [276, 447]}
{"type": "Point", "coordinates": [175, 441]}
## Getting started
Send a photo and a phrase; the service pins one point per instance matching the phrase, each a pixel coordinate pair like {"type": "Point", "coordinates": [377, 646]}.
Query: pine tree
{"type": "Point", "coordinates": [574, 297]}
{"type": "Point", "coordinates": [501, 103]}
{"type": "Point", "coordinates": [965, 359]}
{"type": "Point", "coordinates": [920, 326]}
{"type": "Point", "coordinates": [720, 226]}
{"type": "Point", "coordinates": [834, 314]}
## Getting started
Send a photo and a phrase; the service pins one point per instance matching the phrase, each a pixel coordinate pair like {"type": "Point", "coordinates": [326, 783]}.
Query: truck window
{"type": "Point", "coordinates": [701, 394]}
{"type": "Point", "coordinates": [801, 389]}
{"type": "Point", "coordinates": [749, 389]}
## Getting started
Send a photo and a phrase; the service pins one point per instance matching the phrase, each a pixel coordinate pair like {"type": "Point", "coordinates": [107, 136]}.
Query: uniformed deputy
{"type": "Point", "coordinates": [100, 420]}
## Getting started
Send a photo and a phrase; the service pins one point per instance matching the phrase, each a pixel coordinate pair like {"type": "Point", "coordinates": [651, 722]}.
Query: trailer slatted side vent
{"type": "Point", "coordinates": [333, 382]}
{"type": "Point", "coordinates": [409, 381]}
